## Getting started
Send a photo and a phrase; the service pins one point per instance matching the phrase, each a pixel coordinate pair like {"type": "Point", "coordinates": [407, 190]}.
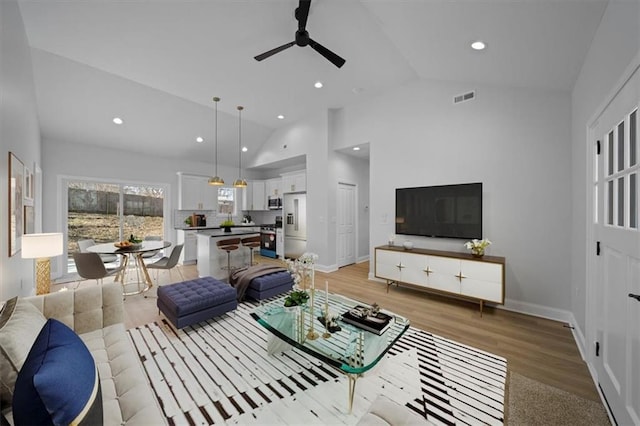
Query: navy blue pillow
{"type": "Point", "coordinates": [58, 383]}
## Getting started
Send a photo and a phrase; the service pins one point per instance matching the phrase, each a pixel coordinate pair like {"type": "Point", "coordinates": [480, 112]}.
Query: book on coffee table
{"type": "Point", "coordinates": [378, 323]}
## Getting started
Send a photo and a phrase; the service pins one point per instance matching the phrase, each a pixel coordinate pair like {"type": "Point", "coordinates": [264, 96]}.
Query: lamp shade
{"type": "Point", "coordinates": [36, 246]}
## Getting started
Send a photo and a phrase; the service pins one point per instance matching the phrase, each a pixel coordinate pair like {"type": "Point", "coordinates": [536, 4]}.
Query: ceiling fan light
{"type": "Point", "coordinates": [216, 181]}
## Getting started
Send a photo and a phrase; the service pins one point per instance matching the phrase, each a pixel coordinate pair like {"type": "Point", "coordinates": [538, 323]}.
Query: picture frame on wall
{"type": "Point", "coordinates": [16, 183]}
{"type": "Point", "coordinates": [28, 186]}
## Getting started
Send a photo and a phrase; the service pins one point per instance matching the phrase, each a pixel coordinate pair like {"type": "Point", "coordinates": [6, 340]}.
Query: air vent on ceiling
{"type": "Point", "coordinates": [464, 97]}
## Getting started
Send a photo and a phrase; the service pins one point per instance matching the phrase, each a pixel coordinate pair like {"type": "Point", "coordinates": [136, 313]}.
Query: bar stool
{"type": "Point", "coordinates": [251, 243]}
{"type": "Point", "coordinates": [229, 245]}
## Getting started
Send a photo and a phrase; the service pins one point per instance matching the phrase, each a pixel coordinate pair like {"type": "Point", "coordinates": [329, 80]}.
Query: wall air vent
{"type": "Point", "coordinates": [464, 97]}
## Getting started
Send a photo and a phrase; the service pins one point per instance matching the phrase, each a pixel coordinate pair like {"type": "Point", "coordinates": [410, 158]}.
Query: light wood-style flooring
{"type": "Point", "coordinates": [537, 348]}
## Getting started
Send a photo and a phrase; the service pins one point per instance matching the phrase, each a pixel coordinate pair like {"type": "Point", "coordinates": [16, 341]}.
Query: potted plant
{"type": "Point", "coordinates": [227, 224]}
{"type": "Point", "coordinates": [296, 298]}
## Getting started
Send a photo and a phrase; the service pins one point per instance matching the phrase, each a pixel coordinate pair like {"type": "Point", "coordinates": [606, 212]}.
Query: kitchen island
{"type": "Point", "coordinates": [212, 261]}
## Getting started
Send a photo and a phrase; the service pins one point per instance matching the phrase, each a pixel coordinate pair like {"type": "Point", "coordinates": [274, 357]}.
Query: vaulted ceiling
{"type": "Point", "coordinates": [158, 63]}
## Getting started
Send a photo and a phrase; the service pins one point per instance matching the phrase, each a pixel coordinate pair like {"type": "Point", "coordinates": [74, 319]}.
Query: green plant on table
{"type": "Point", "coordinates": [134, 240]}
{"type": "Point", "coordinates": [296, 298]}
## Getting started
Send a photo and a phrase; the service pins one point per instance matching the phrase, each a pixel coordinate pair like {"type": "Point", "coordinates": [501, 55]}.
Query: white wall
{"type": "Point", "coordinates": [616, 44]}
{"type": "Point", "coordinates": [308, 137]}
{"type": "Point", "coordinates": [19, 133]}
{"type": "Point", "coordinates": [515, 141]}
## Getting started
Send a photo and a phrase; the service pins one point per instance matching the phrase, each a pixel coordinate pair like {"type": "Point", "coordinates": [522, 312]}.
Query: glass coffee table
{"type": "Point", "coordinates": [352, 350]}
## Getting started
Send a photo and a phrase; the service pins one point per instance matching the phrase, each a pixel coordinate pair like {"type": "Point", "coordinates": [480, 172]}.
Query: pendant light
{"type": "Point", "coordinates": [216, 180]}
{"type": "Point", "coordinates": [240, 183]}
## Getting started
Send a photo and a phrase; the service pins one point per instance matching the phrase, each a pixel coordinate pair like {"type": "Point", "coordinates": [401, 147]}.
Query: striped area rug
{"type": "Point", "coordinates": [218, 372]}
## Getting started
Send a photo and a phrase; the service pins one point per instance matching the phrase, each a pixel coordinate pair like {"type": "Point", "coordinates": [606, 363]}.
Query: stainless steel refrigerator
{"type": "Point", "coordinates": [294, 223]}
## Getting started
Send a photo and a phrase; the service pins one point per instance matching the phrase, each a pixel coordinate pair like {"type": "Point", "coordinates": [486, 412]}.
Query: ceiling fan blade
{"type": "Point", "coordinates": [332, 57]}
{"type": "Point", "coordinates": [271, 52]}
{"type": "Point", "coordinates": [302, 13]}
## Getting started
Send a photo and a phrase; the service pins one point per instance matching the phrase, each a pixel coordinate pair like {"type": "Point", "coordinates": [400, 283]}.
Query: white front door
{"type": "Point", "coordinates": [346, 224]}
{"type": "Point", "coordinates": [617, 266]}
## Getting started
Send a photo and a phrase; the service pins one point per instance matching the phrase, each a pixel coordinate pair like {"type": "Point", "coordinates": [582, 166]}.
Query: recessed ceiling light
{"type": "Point", "coordinates": [318, 85]}
{"type": "Point", "coordinates": [281, 117]}
{"type": "Point", "coordinates": [199, 139]}
{"type": "Point", "coordinates": [245, 149]}
{"type": "Point", "coordinates": [356, 148]}
{"type": "Point", "coordinates": [478, 45]}
{"type": "Point", "coordinates": [118, 120]}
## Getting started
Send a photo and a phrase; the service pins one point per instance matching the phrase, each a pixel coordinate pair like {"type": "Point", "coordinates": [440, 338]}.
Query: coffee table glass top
{"type": "Point", "coordinates": [352, 349]}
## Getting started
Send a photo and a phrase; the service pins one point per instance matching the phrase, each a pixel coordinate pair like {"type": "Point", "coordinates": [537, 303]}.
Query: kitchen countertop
{"type": "Point", "coordinates": [220, 233]}
{"type": "Point", "coordinates": [200, 228]}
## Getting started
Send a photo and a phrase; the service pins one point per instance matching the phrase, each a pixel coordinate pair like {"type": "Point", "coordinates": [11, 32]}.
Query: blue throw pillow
{"type": "Point", "coordinates": [58, 383]}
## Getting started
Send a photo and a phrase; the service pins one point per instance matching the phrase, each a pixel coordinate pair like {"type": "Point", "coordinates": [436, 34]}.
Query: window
{"type": "Point", "coordinates": [227, 202]}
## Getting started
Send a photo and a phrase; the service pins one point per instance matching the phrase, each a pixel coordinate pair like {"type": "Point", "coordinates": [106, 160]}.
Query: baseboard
{"type": "Point", "coordinates": [326, 268]}
{"type": "Point", "coordinates": [363, 259]}
{"type": "Point", "coordinates": [538, 311]}
{"type": "Point", "coordinates": [578, 336]}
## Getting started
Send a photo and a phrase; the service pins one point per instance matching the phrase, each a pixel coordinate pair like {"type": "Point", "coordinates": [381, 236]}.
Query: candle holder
{"type": "Point", "coordinates": [311, 334]}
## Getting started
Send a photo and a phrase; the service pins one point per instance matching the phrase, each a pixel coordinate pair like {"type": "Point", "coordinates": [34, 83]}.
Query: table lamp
{"type": "Point", "coordinates": [41, 247]}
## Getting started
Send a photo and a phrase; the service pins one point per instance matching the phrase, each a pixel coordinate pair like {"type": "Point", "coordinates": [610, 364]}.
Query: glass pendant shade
{"type": "Point", "coordinates": [240, 182]}
{"type": "Point", "coordinates": [216, 180]}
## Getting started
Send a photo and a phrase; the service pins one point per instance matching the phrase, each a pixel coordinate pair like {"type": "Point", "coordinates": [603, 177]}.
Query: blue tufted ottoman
{"type": "Point", "coordinates": [269, 285]}
{"type": "Point", "coordinates": [189, 302]}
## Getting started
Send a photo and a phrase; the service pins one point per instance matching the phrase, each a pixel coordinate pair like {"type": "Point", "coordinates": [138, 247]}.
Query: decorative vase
{"type": "Point", "coordinates": [479, 252]}
{"type": "Point", "coordinates": [227, 229]}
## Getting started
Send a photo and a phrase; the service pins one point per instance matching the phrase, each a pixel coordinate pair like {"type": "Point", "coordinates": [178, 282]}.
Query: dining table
{"type": "Point", "coordinates": [133, 252]}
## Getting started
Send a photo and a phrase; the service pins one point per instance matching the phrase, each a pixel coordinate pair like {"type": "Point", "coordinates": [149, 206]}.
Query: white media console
{"type": "Point", "coordinates": [444, 272]}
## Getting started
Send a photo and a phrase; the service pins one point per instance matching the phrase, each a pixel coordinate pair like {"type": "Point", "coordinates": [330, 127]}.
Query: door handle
{"type": "Point", "coordinates": [635, 296]}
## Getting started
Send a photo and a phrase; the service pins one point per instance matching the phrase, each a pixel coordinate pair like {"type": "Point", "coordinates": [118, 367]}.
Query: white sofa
{"type": "Point", "coordinates": [96, 314]}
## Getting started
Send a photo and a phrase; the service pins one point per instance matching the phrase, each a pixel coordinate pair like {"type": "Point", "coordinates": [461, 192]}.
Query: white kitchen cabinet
{"type": "Point", "coordinates": [273, 188]}
{"type": "Point", "coordinates": [195, 193]}
{"type": "Point", "coordinates": [189, 253]}
{"type": "Point", "coordinates": [294, 182]}
{"type": "Point", "coordinates": [458, 274]}
{"type": "Point", "coordinates": [254, 197]}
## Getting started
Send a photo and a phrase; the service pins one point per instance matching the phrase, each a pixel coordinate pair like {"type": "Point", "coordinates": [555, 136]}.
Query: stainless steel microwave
{"type": "Point", "coordinates": [275, 203]}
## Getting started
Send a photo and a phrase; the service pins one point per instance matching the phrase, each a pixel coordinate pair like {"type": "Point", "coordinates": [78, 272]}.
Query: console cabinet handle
{"type": "Point", "coordinates": [460, 276]}
{"type": "Point", "coordinates": [400, 266]}
{"type": "Point", "coordinates": [427, 270]}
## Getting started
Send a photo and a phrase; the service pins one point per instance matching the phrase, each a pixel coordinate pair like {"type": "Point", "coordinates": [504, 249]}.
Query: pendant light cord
{"type": "Point", "coordinates": [216, 100]}
{"type": "Point", "coordinates": [240, 108]}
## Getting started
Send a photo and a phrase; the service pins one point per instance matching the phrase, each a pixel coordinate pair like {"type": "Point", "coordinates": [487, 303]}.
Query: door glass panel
{"type": "Point", "coordinates": [92, 212]}
{"type": "Point", "coordinates": [621, 201]}
{"type": "Point", "coordinates": [142, 211]}
{"type": "Point", "coordinates": [633, 139]}
{"type": "Point", "coordinates": [633, 201]}
{"type": "Point", "coordinates": [610, 154]}
{"type": "Point", "coordinates": [621, 146]}
{"type": "Point", "coordinates": [610, 202]}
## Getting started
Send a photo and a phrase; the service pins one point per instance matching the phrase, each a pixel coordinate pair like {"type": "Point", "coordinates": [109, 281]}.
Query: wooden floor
{"type": "Point", "coordinates": [537, 348]}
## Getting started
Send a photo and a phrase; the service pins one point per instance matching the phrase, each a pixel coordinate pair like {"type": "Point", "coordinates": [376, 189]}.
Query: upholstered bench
{"type": "Point", "coordinates": [269, 285]}
{"type": "Point", "coordinates": [192, 301]}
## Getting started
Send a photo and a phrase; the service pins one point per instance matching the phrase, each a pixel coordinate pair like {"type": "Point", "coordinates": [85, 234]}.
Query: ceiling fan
{"type": "Point", "coordinates": [303, 39]}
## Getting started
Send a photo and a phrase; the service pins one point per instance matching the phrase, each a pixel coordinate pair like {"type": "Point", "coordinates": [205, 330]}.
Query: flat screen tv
{"type": "Point", "coordinates": [449, 211]}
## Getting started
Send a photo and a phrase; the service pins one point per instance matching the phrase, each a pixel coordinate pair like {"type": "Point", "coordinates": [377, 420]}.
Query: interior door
{"type": "Point", "coordinates": [346, 225]}
{"type": "Point", "coordinates": [617, 266]}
